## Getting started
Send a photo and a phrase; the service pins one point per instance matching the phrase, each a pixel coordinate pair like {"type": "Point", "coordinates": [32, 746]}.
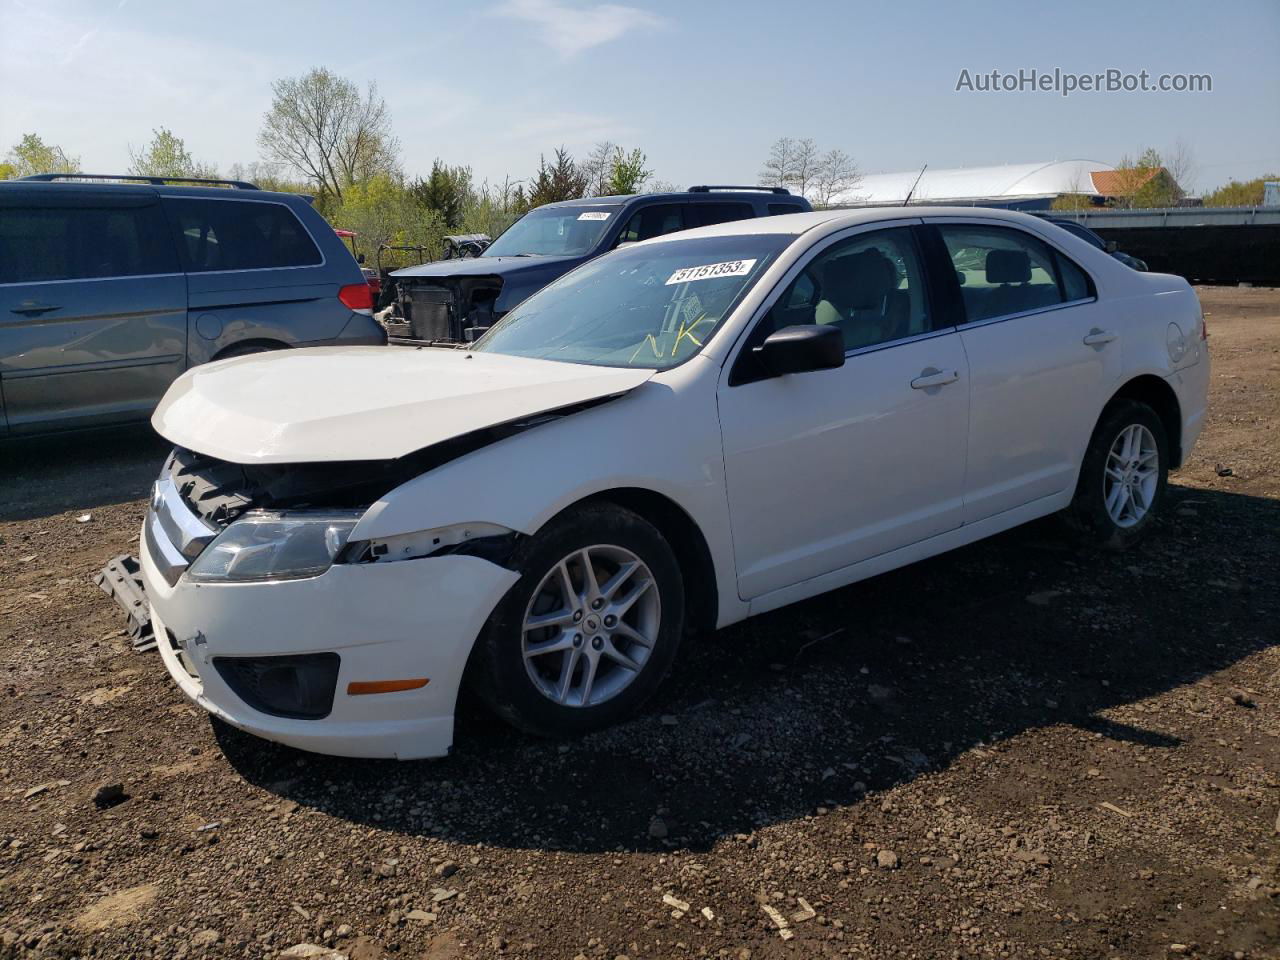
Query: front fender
{"type": "Point", "coordinates": [662, 437]}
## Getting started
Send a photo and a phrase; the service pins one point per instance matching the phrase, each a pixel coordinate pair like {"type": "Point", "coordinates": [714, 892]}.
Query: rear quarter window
{"type": "Point", "coordinates": [706, 214]}
{"type": "Point", "coordinates": [215, 235]}
{"type": "Point", "coordinates": [780, 208]}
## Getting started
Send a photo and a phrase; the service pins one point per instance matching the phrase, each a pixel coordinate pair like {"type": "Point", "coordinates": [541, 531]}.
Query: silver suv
{"type": "Point", "coordinates": [110, 290]}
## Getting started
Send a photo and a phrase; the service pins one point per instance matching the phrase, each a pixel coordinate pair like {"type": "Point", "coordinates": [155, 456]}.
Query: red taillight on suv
{"type": "Point", "coordinates": [357, 297]}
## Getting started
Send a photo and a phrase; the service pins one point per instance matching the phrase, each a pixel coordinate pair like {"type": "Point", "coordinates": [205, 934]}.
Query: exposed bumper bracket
{"type": "Point", "coordinates": [121, 580]}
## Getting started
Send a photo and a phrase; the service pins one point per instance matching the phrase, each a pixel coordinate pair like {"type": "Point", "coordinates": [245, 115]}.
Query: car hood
{"type": "Point", "coordinates": [484, 266]}
{"type": "Point", "coordinates": [366, 403]}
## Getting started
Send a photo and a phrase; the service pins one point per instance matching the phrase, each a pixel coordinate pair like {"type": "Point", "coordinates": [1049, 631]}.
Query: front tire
{"type": "Point", "coordinates": [589, 630]}
{"type": "Point", "coordinates": [1123, 476]}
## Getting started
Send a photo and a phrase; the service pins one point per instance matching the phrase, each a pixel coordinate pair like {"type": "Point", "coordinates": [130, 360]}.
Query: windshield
{"type": "Point", "coordinates": [553, 232]}
{"type": "Point", "coordinates": [652, 305]}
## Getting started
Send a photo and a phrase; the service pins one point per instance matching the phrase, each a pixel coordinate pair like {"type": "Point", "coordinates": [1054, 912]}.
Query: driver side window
{"type": "Point", "coordinates": [871, 287]}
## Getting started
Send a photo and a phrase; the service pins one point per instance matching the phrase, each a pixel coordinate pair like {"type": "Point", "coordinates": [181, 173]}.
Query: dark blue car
{"type": "Point", "coordinates": [457, 300]}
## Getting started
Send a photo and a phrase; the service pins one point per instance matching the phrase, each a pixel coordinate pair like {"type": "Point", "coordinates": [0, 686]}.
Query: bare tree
{"type": "Point", "coordinates": [1180, 161]}
{"type": "Point", "coordinates": [779, 168]}
{"type": "Point", "coordinates": [836, 174]}
{"type": "Point", "coordinates": [661, 186]}
{"type": "Point", "coordinates": [321, 126]}
{"type": "Point", "coordinates": [597, 167]}
{"type": "Point", "coordinates": [805, 167]}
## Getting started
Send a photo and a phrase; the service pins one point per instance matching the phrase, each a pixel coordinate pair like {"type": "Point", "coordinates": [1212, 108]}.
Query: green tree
{"type": "Point", "coordinates": [1237, 194]}
{"type": "Point", "coordinates": [32, 155]}
{"type": "Point", "coordinates": [167, 156]}
{"type": "Point", "coordinates": [382, 210]}
{"type": "Point", "coordinates": [562, 180]}
{"type": "Point", "coordinates": [325, 130]}
{"type": "Point", "coordinates": [627, 174]}
{"type": "Point", "coordinates": [1145, 183]}
{"type": "Point", "coordinates": [446, 190]}
{"type": "Point", "coordinates": [7, 171]}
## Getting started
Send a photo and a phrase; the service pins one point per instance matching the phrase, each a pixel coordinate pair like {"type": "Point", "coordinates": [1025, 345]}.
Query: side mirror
{"type": "Point", "coordinates": [1112, 246]}
{"type": "Point", "coordinates": [360, 259]}
{"type": "Point", "coordinates": [802, 348]}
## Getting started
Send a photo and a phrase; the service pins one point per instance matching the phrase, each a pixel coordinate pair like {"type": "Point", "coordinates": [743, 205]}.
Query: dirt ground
{"type": "Point", "coordinates": [1014, 750]}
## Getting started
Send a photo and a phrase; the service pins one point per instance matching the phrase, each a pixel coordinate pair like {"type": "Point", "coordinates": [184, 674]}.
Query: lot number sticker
{"type": "Point", "coordinates": [730, 268]}
{"type": "Point", "coordinates": [594, 215]}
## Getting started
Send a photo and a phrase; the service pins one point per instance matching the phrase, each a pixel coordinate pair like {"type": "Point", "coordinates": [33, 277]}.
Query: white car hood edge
{"type": "Point", "coordinates": [366, 403]}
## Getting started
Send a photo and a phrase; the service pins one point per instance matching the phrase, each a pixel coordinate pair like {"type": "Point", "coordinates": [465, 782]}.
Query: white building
{"type": "Point", "coordinates": [1023, 186]}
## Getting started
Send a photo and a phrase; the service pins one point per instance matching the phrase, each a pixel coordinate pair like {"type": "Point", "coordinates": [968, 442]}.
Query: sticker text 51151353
{"type": "Point", "coordinates": [709, 271]}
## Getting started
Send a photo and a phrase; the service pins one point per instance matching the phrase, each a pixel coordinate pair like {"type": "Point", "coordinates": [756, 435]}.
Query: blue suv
{"type": "Point", "coordinates": [110, 290]}
{"type": "Point", "coordinates": [457, 300]}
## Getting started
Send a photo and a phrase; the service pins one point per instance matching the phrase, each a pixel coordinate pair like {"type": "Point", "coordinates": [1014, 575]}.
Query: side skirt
{"type": "Point", "coordinates": [873, 566]}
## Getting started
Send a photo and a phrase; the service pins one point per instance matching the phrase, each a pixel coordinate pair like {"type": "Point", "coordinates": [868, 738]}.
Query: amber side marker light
{"type": "Point", "coordinates": [358, 687]}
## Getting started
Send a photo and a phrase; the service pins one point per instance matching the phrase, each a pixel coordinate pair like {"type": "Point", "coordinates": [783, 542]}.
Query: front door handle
{"type": "Point", "coordinates": [1097, 338]}
{"type": "Point", "coordinates": [933, 377]}
{"type": "Point", "coordinates": [30, 308]}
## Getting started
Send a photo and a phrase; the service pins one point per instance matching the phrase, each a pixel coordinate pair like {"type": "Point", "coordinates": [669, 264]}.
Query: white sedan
{"type": "Point", "coordinates": [675, 436]}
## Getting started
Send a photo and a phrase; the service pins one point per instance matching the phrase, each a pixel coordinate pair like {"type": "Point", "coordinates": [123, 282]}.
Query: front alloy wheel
{"type": "Point", "coordinates": [591, 627]}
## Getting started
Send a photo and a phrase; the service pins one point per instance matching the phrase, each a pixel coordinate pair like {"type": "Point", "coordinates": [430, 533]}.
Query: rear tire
{"type": "Point", "coordinates": [1123, 477]}
{"type": "Point", "coordinates": [571, 675]}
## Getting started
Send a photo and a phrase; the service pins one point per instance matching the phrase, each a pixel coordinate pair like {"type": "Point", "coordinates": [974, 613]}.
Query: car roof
{"type": "Point", "coordinates": [683, 195]}
{"type": "Point", "coordinates": [838, 219]}
{"type": "Point", "coordinates": [143, 189]}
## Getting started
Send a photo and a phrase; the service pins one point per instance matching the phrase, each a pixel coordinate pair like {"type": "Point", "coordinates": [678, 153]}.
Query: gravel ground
{"type": "Point", "coordinates": [1014, 750]}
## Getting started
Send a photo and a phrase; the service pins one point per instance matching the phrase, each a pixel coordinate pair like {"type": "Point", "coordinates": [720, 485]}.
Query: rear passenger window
{"type": "Point", "coordinates": [778, 208]}
{"type": "Point", "coordinates": [1001, 271]}
{"type": "Point", "coordinates": [83, 243]}
{"type": "Point", "coordinates": [706, 214]}
{"type": "Point", "coordinates": [653, 221]}
{"type": "Point", "coordinates": [240, 235]}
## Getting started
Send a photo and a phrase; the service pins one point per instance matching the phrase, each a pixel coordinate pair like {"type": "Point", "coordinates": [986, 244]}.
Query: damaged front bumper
{"type": "Point", "coordinates": [384, 621]}
{"type": "Point", "coordinates": [364, 659]}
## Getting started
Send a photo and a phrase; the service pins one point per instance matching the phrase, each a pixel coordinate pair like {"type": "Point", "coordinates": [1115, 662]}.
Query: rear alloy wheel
{"type": "Point", "coordinates": [1123, 477]}
{"type": "Point", "coordinates": [591, 627]}
{"type": "Point", "coordinates": [1131, 476]}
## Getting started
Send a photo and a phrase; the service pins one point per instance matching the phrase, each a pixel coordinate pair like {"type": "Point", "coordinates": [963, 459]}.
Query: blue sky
{"type": "Point", "coordinates": [703, 88]}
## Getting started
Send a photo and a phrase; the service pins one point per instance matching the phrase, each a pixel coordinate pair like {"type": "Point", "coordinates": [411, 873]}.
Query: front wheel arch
{"type": "Point", "coordinates": [702, 605]}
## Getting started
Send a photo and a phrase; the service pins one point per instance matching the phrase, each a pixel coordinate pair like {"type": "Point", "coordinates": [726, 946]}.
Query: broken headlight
{"type": "Point", "coordinates": [275, 546]}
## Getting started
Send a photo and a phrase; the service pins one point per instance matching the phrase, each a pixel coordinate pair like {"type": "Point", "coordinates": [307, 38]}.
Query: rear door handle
{"type": "Point", "coordinates": [932, 377]}
{"type": "Point", "coordinates": [1097, 338]}
{"type": "Point", "coordinates": [32, 309]}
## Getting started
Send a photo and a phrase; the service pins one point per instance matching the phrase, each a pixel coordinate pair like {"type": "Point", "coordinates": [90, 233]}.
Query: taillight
{"type": "Point", "coordinates": [357, 297]}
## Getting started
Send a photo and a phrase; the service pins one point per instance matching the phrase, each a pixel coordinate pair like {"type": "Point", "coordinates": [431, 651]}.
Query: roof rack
{"type": "Point", "coordinates": [136, 178]}
{"type": "Point", "coordinates": [708, 187]}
